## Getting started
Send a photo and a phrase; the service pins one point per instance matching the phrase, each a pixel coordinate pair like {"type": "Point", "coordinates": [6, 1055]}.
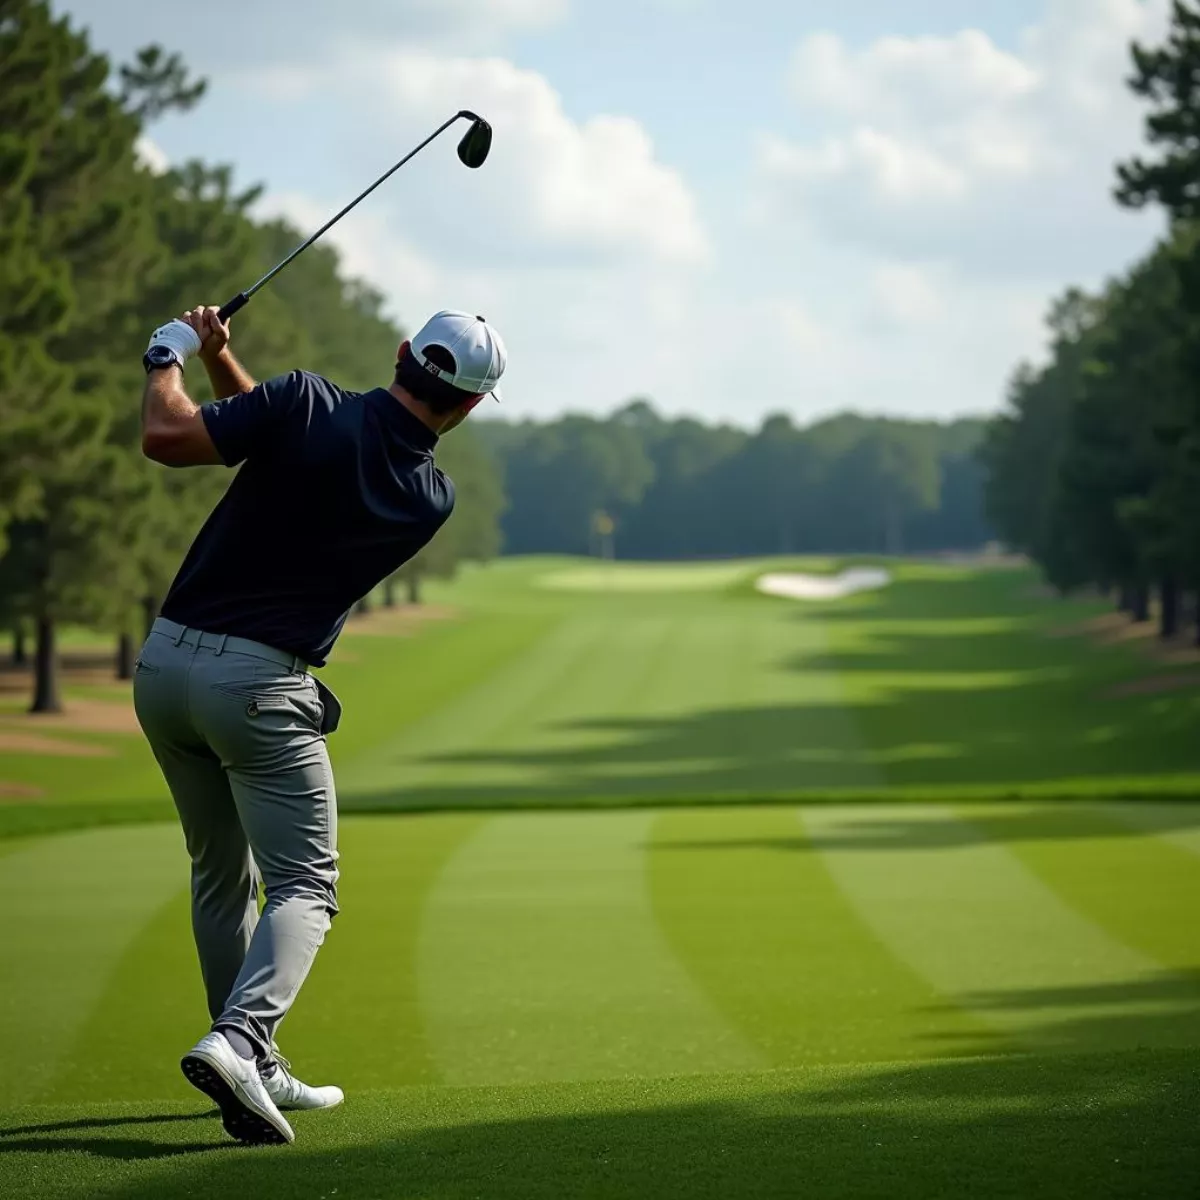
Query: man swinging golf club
{"type": "Point", "coordinates": [336, 490]}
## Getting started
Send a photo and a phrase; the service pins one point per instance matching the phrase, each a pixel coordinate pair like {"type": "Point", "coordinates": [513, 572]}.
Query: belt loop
{"type": "Point", "coordinates": [296, 664]}
{"type": "Point", "coordinates": [221, 644]}
{"type": "Point", "coordinates": [181, 634]}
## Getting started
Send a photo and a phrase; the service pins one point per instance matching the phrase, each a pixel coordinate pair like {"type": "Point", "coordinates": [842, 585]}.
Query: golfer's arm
{"type": "Point", "coordinates": [227, 376]}
{"type": "Point", "coordinates": [173, 431]}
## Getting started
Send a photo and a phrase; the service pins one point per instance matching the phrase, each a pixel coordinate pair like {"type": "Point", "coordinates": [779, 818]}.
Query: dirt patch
{"type": "Point", "coordinates": [402, 621]}
{"type": "Point", "coordinates": [1116, 629]}
{"type": "Point", "coordinates": [21, 742]}
{"type": "Point", "coordinates": [1155, 685]}
{"type": "Point", "coordinates": [92, 669]}
{"type": "Point", "coordinates": [19, 791]}
{"type": "Point", "coordinates": [80, 716]}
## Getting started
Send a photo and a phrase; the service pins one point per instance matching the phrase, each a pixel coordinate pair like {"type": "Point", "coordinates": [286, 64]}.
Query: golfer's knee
{"type": "Point", "coordinates": [315, 886]}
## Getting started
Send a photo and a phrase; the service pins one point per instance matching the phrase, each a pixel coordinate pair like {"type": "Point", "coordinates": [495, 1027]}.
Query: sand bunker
{"type": "Point", "coordinates": [794, 586]}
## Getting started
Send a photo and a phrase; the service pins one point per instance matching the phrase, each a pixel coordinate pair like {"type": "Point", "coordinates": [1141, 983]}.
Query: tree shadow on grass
{"type": "Point", "coordinates": [985, 701]}
{"type": "Point", "coordinates": [1160, 1011]}
{"type": "Point", "coordinates": [1096, 1125]}
{"type": "Point", "coordinates": [982, 826]}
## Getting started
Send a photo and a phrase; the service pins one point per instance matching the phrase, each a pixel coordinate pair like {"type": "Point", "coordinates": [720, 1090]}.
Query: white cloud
{"type": "Point", "coordinates": [905, 295]}
{"type": "Point", "coordinates": [593, 189]}
{"type": "Point", "coordinates": [582, 247]}
{"type": "Point", "coordinates": [952, 146]}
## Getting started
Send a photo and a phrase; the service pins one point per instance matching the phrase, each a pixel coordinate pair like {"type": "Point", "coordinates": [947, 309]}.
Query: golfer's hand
{"type": "Point", "coordinates": [213, 333]}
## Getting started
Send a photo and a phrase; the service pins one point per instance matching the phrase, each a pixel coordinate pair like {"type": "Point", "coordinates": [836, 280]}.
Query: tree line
{"type": "Point", "coordinates": [640, 485]}
{"type": "Point", "coordinates": [96, 249]}
{"type": "Point", "coordinates": [1093, 469]}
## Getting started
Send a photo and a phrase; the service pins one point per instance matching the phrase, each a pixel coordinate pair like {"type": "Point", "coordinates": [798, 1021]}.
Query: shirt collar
{"type": "Point", "coordinates": [414, 429]}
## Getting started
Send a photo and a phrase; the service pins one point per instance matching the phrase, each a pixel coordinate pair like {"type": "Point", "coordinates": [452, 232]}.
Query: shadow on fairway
{"type": "Point", "coordinates": [84, 1123]}
{"type": "Point", "coordinates": [978, 826]}
{"type": "Point", "coordinates": [941, 692]}
{"type": "Point", "coordinates": [1162, 1011]}
{"type": "Point", "coordinates": [1114, 1125]}
{"type": "Point", "coordinates": [100, 1137]}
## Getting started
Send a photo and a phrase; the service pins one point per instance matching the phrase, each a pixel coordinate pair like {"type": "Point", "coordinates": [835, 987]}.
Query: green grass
{"type": "Point", "coordinates": [682, 685]}
{"type": "Point", "coordinates": [1098, 1126]}
{"type": "Point", "coordinates": [858, 1001]}
{"type": "Point", "coordinates": [625, 952]}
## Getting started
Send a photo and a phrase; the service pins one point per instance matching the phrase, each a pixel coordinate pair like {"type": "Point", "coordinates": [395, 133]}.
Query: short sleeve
{"type": "Point", "coordinates": [246, 425]}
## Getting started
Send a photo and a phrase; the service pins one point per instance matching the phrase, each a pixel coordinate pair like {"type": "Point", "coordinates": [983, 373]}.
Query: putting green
{"type": "Point", "coordinates": [647, 577]}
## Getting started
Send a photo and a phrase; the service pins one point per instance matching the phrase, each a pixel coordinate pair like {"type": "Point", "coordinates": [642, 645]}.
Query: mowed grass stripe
{"type": "Point", "coordinates": [1142, 890]}
{"type": "Point", "coordinates": [963, 911]}
{"type": "Point", "coordinates": [150, 1012]}
{"type": "Point", "coordinates": [438, 747]}
{"type": "Point", "coordinates": [752, 911]}
{"type": "Point", "coordinates": [72, 904]}
{"type": "Point", "coordinates": [541, 960]}
{"type": "Point", "coordinates": [359, 1020]}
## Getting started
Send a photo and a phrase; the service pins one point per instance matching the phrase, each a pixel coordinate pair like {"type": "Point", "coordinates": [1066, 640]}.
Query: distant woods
{"type": "Point", "coordinates": [639, 485]}
{"type": "Point", "coordinates": [1094, 467]}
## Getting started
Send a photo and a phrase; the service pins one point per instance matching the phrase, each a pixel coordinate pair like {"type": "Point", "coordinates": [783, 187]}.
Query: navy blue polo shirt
{"type": "Point", "coordinates": [336, 491]}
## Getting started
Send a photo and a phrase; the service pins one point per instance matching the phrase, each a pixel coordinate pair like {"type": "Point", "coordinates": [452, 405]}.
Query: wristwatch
{"type": "Point", "coordinates": [161, 356]}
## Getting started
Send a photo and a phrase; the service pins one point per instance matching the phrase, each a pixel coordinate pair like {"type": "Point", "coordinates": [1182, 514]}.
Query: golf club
{"type": "Point", "coordinates": [472, 151]}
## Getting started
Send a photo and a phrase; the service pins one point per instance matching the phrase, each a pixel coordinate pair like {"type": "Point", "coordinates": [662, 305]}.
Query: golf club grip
{"type": "Point", "coordinates": [232, 306]}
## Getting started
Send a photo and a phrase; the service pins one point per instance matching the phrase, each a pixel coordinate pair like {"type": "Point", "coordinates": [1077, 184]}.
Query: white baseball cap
{"type": "Point", "coordinates": [476, 348]}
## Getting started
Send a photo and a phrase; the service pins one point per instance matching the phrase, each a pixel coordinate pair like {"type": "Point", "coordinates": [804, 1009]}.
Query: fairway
{"type": "Point", "coordinates": [563, 990]}
{"type": "Point", "coordinates": [707, 893]}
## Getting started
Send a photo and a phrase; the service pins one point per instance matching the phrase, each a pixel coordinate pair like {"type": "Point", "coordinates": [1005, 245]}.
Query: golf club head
{"type": "Point", "coordinates": [476, 142]}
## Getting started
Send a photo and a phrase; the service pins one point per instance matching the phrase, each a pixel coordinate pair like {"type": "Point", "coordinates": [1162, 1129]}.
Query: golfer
{"type": "Point", "coordinates": [336, 490]}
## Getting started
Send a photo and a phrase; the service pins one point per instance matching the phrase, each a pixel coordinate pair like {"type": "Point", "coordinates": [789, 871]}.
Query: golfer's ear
{"type": "Point", "coordinates": [404, 345]}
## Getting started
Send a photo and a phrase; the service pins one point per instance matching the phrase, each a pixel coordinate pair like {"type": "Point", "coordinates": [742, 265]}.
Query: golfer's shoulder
{"type": "Point", "coordinates": [440, 494]}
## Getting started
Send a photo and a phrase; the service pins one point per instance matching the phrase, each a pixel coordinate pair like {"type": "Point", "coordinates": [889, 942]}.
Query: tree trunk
{"type": "Point", "coordinates": [1168, 625]}
{"type": "Point", "coordinates": [389, 592]}
{"type": "Point", "coordinates": [20, 651]}
{"type": "Point", "coordinates": [1125, 598]}
{"type": "Point", "coordinates": [150, 606]}
{"type": "Point", "coordinates": [46, 698]}
{"type": "Point", "coordinates": [414, 588]}
{"type": "Point", "coordinates": [125, 656]}
{"type": "Point", "coordinates": [363, 607]}
{"type": "Point", "coordinates": [1141, 603]}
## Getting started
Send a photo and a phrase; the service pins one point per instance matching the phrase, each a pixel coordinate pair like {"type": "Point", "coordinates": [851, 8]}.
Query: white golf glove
{"type": "Point", "coordinates": [177, 336]}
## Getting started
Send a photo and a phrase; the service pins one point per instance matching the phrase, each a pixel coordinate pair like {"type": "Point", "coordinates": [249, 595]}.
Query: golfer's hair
{"type": "Point", "coordinates": [441, 396]}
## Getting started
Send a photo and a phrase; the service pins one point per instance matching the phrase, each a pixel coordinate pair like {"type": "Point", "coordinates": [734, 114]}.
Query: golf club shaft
{"type": "Point", "coordinates": [243, 298]}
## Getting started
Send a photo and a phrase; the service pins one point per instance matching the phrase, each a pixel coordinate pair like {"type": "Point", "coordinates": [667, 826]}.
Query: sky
{"type": "Point", "coordinates": [790, 206]}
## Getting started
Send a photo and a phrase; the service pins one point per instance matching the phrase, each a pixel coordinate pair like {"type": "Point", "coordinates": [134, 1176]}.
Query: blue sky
{"type": "Point", "coordinates": [731, 209]}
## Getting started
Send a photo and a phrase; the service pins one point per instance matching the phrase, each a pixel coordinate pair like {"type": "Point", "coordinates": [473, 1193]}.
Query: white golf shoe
{"type": "Point", "coordinates": [233, 1083]}
{"type": "Point", "coordinates": [289, 1092]}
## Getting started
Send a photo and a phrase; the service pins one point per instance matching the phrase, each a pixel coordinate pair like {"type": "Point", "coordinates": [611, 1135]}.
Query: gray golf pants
{"type": "Point", "coordinates": [238, 729]}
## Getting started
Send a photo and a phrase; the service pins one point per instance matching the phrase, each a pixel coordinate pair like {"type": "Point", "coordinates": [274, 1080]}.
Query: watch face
{"type": "Point", "coordinates": [159, 356]}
